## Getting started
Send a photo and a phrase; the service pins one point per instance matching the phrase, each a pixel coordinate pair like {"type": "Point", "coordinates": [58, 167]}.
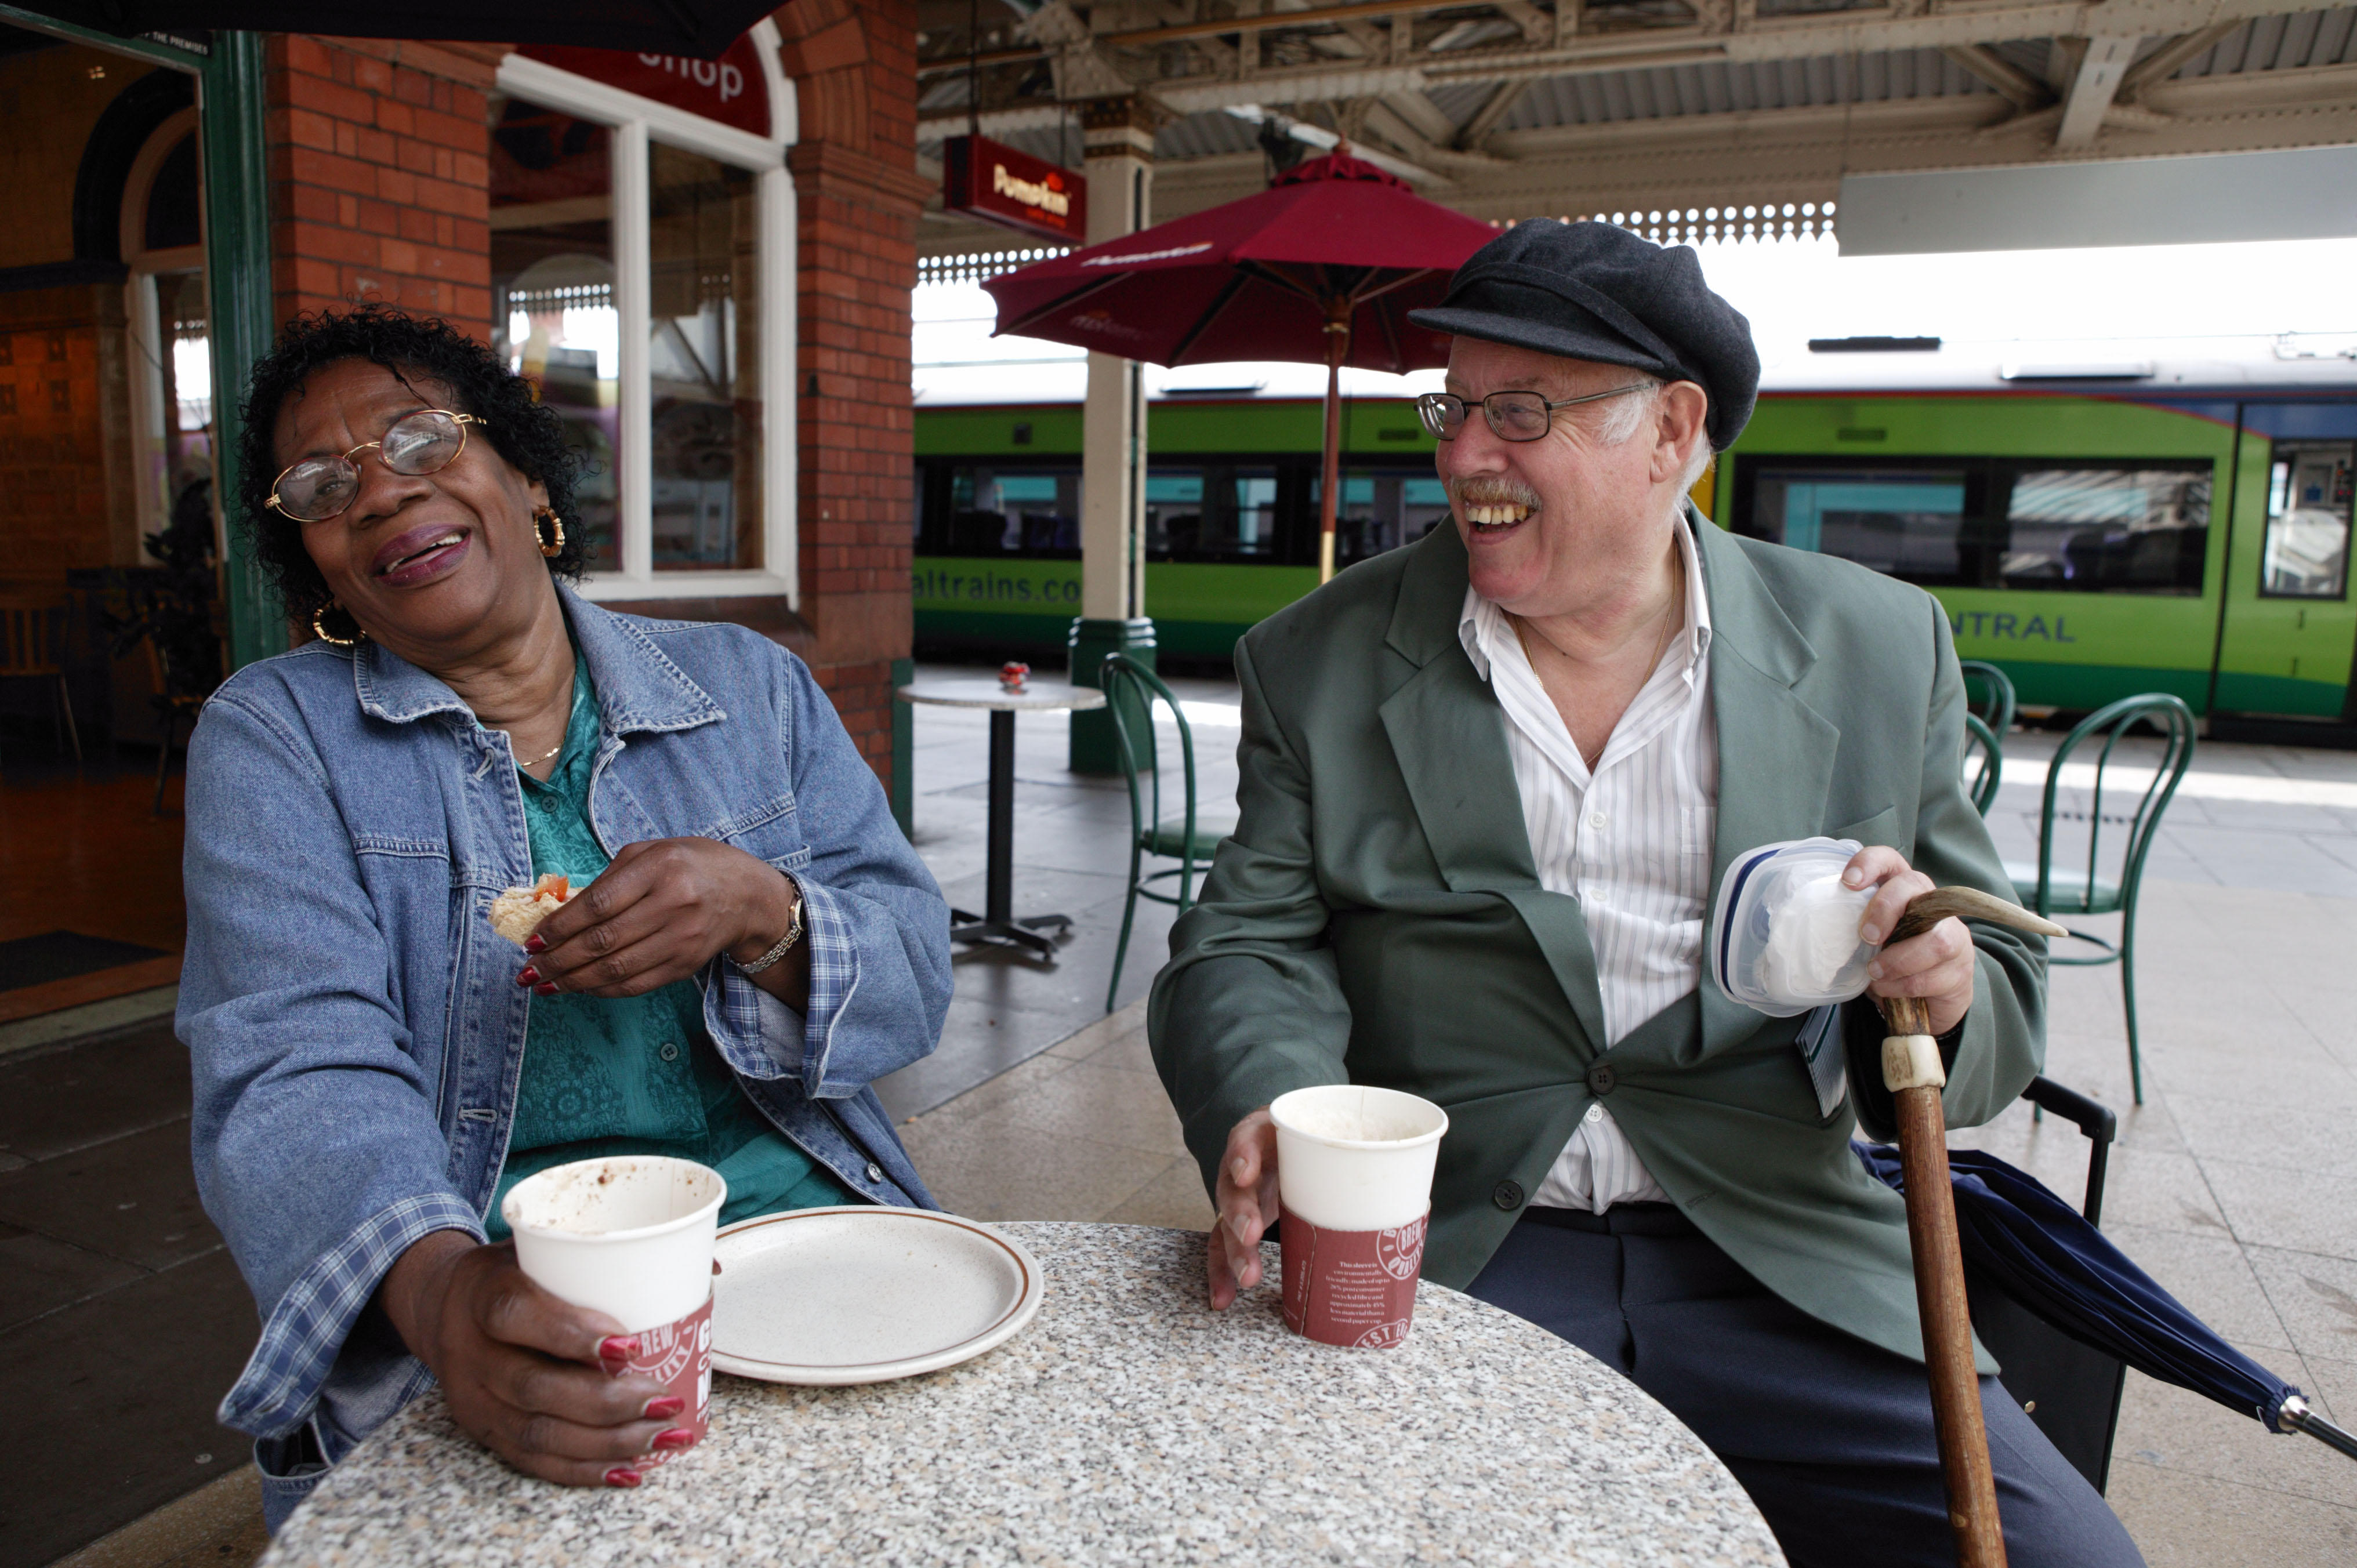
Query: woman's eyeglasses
{"type": "Point", "coordinates": [319, 488]}
{"type": "Point", "coordinates": [1513, 415]}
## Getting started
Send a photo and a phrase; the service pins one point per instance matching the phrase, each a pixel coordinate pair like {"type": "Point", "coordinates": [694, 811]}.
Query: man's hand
{"type": "Point", "coordinates": [1248, 1208]}
{"type": "Point", "coordinates": [1937, 966]}
{"type": "Point", "coordinates": [660, 913]}
{"type": "Point", "coordinates": [528, 1377]}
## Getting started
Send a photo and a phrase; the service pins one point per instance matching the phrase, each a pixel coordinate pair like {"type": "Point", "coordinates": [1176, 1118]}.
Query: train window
{"type": "Point", "coordinates": [1026, 511]}
{"type": "Point", "coordinates": [2306, 556]}
{"type": "Point", "coordinates": [1914, 523]}
{"type": "Point", "coordinates": [2110, 528]}
{"type": "Point", "coordinates": [2084, 526]}
{"type": "Point", "coordinates": [1382, 509]}
{"type": "Point", "coordinates": [1220, 511]}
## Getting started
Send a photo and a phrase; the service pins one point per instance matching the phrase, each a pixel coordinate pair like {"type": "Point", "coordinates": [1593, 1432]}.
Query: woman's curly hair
{"type": "Point", "coordinates": [426, 351]}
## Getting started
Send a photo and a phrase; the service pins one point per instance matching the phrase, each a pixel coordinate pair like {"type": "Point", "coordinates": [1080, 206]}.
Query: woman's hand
{"type": "Point", "coordinates": [1938, 966]}
{"type": "Point", "coordinates": [660, 913]}
{"type": "Point", "coordinates": [528, 1377]}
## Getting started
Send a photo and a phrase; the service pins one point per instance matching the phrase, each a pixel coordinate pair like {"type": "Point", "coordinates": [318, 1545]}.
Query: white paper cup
{"type": "Point", "coordinates": [1354, 1171]}
{"type": "Point", "coordinates": [630, 1235]}
{"type": "Point", "coordinates": [1350, 1157]}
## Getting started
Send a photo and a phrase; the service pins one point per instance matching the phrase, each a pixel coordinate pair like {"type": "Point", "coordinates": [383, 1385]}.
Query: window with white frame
{"type": "Point", "coordinates": [642, 274]}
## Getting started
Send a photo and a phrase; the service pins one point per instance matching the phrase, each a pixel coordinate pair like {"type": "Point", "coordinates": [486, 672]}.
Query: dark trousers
{"type": "Point", "coordinates": [1832, 1437]}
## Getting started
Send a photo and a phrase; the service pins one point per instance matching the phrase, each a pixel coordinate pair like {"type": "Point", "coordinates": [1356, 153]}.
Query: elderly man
{"type": "Point", "coordinates": [1488, 784]}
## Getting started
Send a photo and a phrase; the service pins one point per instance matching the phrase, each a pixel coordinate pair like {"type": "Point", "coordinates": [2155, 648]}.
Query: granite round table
{"type": "Point", "coordinates": [998, 922]}
{"type": "Point", "coordinates": [1128, 1423]}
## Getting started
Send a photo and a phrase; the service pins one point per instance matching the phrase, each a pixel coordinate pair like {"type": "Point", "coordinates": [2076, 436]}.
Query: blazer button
{"type": "Point", "coordinates": [1600, 1079]}
{"type": "Point", "coordinates": [1507, 1194]}
{"type": "Point", "coordinates": [874, 1171]}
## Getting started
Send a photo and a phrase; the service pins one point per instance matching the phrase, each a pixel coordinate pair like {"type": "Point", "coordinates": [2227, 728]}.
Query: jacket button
{"type": "Point", "coordinates": [874, 1171]}
{"type": "Point", "coordinates": [1600, 1079]}
{"type": "Point", "coordinates": [669, 1053]}
{"type": "Point", "coordinates": [1507, 1194]}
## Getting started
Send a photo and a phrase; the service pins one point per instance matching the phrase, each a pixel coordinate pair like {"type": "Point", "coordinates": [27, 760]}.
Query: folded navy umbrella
{"type": "Point", "coordinates": [2041, 1252]}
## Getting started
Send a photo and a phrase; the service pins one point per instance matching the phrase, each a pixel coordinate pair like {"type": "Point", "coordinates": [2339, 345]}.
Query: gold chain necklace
{"type": "Point", "coordinates": [569, 706]}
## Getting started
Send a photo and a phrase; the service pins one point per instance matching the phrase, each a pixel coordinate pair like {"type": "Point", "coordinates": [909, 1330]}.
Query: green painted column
{"type": "Point", "coordinates": [237, 270]}
{"type": "Point", "coordinates": [1092, 748]}
{"type": "Point", "coordinates": [904, 744]}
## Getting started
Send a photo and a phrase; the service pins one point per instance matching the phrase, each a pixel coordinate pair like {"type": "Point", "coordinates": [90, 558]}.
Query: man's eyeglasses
{"type": "Point", "coordinates": [1513, 415]}
{"type": "Point", "coordinates": [319, 488]}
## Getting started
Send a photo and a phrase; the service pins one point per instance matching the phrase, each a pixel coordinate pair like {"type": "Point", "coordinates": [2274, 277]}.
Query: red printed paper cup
{"type": "Point", "coordinates": [630, 1236]}
{"type": "Point", "coordinates": [679, 1355]}
{"type": "Point", "coordinates": [1355, 1173]}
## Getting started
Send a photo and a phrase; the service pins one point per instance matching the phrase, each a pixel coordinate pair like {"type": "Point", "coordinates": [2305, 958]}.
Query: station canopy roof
{"type": "Point", "coordinates": [1685, 119]}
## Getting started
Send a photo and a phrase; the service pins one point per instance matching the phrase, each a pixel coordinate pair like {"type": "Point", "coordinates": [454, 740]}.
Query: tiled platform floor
{"type": "Point", "coordinates": [122, 1320]}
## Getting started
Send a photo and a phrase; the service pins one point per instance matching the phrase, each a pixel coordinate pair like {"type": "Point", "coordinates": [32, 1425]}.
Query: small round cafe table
{"type": "Point", "coordinates": [998, 922]}
{"type": "Point", "coordinates": [1127, 1424]}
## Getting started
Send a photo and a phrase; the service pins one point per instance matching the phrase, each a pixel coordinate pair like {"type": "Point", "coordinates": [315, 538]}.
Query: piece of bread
{"type": "Point", "coordinates": [518, 912]}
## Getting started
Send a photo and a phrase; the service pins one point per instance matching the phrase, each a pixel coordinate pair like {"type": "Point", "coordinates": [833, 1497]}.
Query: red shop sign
{"type": "Point", "coordinates": [730, 90]}
{"type": "Point", "coordinates": [985, 179]}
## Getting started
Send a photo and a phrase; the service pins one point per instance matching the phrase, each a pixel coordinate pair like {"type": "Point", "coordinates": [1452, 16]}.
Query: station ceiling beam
{"type": "Point", "coordinates": [1194, 81]}
{"type": "Point", "coordinates": [2095, 77]}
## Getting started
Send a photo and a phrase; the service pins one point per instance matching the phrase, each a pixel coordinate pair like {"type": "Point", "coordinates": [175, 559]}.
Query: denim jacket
{"type": "Point", "coordinates": [353, 1021]}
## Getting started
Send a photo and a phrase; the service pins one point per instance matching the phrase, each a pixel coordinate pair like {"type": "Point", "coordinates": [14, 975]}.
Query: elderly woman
{"type": "Point", "coordinates": [374, 1067]}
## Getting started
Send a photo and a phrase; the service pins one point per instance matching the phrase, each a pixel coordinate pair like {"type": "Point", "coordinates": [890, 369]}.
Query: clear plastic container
{"type": "Point", "coordinates": [1785, 936]}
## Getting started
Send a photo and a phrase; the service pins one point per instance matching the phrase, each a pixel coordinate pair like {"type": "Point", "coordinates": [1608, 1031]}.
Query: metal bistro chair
{"type": "Point", "coordinates": [2071, 893]}
{"type": "Point", "coordinates": [29, 633]}
{"type": "Point", "coordinates": [1131, 690]}
{"type": "Point", "coordinates": [1981, 781]}
{"type": "Point", "coordinates": [1996, 708]}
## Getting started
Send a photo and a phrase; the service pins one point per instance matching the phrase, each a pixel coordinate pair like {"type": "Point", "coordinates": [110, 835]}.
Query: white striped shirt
{"type": "Point", "coordinates": [1631, 840]}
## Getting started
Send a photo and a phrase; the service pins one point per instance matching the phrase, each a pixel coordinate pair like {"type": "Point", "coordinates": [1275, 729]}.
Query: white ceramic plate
{"type": "Point", "coordinates": [865, 1294]}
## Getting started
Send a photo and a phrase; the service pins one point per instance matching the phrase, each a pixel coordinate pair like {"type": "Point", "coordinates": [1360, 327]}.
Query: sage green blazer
{"type": "Point", "coordinates": [1377, 916]}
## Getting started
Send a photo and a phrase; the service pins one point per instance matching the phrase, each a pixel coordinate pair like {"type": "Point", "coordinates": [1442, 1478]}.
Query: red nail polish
{"type": "Point", "coordinates": [532, 943]}
{"type": "Point", "coordinates": [528, 976]}
{"type": "Point", "coordinates": [677, 1437]}
{"type": "Point", "coordinates": [622, 1476]}
{"type": "Point", "coordinates": [618, 1348]}
{"type": "Point", "coordinates": [543, 989]}
{"type": "Point", "coordinates": [664, 1408]}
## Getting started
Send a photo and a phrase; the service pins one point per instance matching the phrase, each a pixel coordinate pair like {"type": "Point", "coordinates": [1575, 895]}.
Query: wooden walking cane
{"type": "Point", "coordinates": [1913, 1073]}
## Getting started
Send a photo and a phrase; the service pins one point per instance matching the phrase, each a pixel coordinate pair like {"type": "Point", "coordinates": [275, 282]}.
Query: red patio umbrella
{"type": "Point", "coordinates": [1322, 267]}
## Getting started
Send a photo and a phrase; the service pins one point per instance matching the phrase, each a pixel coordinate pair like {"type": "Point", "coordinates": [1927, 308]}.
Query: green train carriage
{"type": "Point", "coordinates": [2096, 531]}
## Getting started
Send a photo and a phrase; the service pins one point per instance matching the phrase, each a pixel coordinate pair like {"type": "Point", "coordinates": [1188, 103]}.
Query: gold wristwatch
{"type": "Point", "coordinates": [794, 934]}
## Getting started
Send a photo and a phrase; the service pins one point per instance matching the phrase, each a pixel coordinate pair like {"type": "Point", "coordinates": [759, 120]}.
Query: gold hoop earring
{"type": "Point", "coordinates": [555, 546]}
{"type": "Point", "coordinates": [324, 635]}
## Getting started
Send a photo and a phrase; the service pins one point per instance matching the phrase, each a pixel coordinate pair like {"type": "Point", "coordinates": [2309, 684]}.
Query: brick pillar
{"type": "Point", "coordinates": [380, 175]}
{"type": "Point", "coordinates": [857, 196]}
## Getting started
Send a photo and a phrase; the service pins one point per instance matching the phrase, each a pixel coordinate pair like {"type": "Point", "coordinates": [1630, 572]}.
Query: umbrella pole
{"type": "Point", "coordinates": [1329, 493]}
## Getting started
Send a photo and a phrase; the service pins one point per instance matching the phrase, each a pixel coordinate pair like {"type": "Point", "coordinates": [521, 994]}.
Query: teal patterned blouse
{"type": "Point", "coordinates": [633, 1075]}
